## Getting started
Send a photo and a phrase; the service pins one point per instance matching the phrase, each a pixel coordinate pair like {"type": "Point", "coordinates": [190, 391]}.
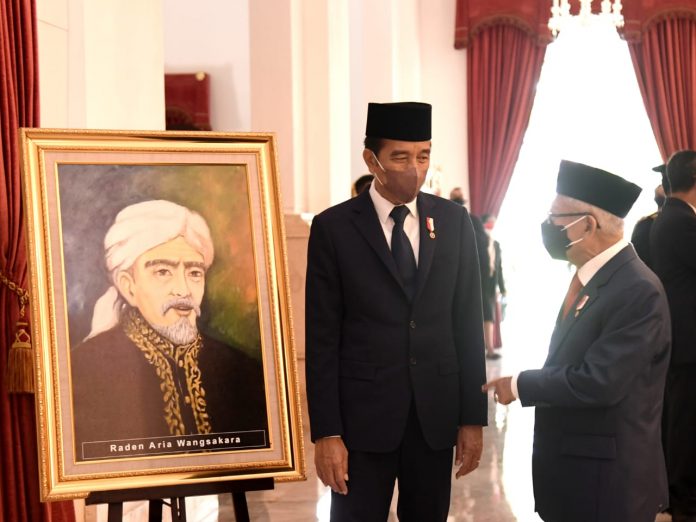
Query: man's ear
{"type": "Point", "coordinates": [126, 286]}
{"type": "Point", "coordinates": [370, 161]}
{"type": "Point", "coordinates": [592, 224]}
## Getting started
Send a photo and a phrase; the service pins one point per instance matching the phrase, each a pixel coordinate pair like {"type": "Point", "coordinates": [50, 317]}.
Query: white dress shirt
{"type": "Point", "coordinates": [585, 273]}
{"type": "Point", "coordinates": [384, 208]}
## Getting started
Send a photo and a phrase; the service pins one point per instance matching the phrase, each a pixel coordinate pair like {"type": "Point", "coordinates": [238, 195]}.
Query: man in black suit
{"type": "Point", "coordinates": [597, 440]}
{"type": "Point", "coordinates": [673, 249]}
{"type": "Point", "coordinates": [641, 232]}
{"type": "Point", "coordinates": [395, 356]}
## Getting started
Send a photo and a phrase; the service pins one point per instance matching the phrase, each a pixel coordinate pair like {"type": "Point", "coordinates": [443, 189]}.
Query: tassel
{"type": "Point", "coordinates": [20, 365]}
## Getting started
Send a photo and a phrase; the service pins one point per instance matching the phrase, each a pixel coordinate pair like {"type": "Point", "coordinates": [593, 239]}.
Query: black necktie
{"type": "Point", "coordinates": [402, 251]}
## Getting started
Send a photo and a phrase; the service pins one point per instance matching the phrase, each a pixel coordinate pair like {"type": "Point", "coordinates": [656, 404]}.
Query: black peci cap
{"type": "Point", "coordinates": [662, 169]}
{"type": "Point", "coordinates": [404, 121]}
{"type": "Point", "coordinates": [596, 187]}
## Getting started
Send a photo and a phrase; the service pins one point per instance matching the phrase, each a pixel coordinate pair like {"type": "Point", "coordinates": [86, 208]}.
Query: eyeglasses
{"type": "Point", "coordinates": [551, 215]}
{"type": "Point", "coordinates": [569, 214]}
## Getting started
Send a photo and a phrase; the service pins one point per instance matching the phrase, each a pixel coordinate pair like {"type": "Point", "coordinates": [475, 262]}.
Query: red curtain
{"type": "Point", "coordinates": [474, 15]}
{"type": "Point", "coordinates": [661, 38]}
{"type": "Point", "coordinates": [503, 67]}
{"type": "Point", "coordinates": [664, 58]}
{"type": "Point", "coordinates": [19, 106]}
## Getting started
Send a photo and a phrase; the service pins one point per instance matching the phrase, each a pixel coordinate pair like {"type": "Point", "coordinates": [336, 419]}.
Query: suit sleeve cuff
{"type": "Point", "coordinates": [513, 385]}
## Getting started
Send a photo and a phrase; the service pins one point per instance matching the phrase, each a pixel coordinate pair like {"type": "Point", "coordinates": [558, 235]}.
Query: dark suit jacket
{"type": "Point", "coordinates": [116, 392]}
{"type": "Point", "coordinates": [491, 283]}
{"type": "Point", "coordinates": [597, 437]}
{"type": "Point", "coordinates": [673, 248]}
{"type": "Point", "coordinates": [641, 238]}
{"type": "Point", "coordinates": [370, 352]}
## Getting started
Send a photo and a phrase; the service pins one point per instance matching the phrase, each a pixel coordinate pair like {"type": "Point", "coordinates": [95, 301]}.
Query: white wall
{"type": "Point", "coordinates": [101, 64]}
{"type": "Point", "coordinates": [52, 25]}
{"type": "Point", "coordinates": [304, 69]}
{"type": "Point", "coordinates": [212, 36]}
{"type": "Point", "coordinates": [443, 79]}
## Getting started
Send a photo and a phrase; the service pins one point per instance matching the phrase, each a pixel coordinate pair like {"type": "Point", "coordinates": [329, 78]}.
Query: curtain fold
{"type": "Point", "coordinates": [664, 59]}
{"type": "Point", "coordinates": [19, 107]}
{"type": "Point", "coordinates": [503, 67]}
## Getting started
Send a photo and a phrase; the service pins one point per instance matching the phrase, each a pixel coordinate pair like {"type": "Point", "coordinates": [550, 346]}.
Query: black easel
{"type": "Point", "coordinates": [177, 496]}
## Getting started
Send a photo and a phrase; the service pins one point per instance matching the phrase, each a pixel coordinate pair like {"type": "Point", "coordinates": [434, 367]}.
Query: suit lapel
{"type": "Point", "coordinates": [366, 221]}
{"type": "Point", "coordinates": [587, 297]}
{"type": "Point", "coordinates": [426, 250]}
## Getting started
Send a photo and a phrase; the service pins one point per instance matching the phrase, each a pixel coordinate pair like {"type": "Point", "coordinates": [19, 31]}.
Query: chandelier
{"type": "Point", "coordinates": [560, 14]}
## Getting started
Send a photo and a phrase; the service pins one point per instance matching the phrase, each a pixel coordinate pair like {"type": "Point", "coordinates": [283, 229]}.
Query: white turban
{"type": "Point", "coordinates": [137, 229]}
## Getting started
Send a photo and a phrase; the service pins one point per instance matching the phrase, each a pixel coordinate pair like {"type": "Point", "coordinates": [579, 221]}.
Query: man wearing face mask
{"type": "Point", "coordinates": [394, 334]}
{"type": "Point", "coordinates": [597, 437]}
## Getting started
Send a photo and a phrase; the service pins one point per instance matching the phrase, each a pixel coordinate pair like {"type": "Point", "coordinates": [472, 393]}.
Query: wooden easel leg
{"type": "Point", "coordinates": [178, 509]}
{"type": "Point", "coordinates": [178, 494]}
{"type": "Point", "coordinates": [115, 512]}
{"type": "Point", "coordinates": [154, 513]}
{"type": "Point", "coordinates": [241, 510]}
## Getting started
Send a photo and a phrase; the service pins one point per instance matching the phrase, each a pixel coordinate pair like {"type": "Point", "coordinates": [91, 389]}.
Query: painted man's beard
{"type": "Point", "coordinates": [182, 331]}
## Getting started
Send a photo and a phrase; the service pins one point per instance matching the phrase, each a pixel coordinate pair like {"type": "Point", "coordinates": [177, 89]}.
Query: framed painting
{"type": "Point", "coordinates": [161, 320]}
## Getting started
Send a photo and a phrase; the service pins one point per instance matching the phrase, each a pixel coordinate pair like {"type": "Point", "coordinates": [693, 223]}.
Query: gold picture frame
{"type": "Point", "coordinates": [160, 310]}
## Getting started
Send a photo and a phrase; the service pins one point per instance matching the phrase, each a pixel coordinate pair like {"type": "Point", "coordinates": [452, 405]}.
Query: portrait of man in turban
{"type": "Point", "coordinates": [147, 371]}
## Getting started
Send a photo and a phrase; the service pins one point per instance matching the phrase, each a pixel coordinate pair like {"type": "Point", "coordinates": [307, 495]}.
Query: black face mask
{"type": "Point", "coordinates": [555, 238]}
{"type": "Point", "coordinates": [459, 201]}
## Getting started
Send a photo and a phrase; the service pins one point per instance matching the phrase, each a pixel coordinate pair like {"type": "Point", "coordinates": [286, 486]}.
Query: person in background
{"type": "Point", "coordinates": [597, 453]}
{"type": "Point", "coordinates": [641, 232]}
{"type": "Point", "coordinates": [492, 281]}
{"type": "Point", "coordinates": [673, 251]}
{"type": "Point", "coordinates": [457, 196]}
{"type": "Point", "coordinates": [362, 183]}
{"type": "Point", "coordinates": [394, 334]}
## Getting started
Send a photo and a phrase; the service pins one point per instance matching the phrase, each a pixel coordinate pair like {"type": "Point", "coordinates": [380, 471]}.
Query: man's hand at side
{"type": "Point", "coordinates": [502, 390]}
{"type": "Point", "coordinates": [331, 460]}
{"type": "Point", "coordinates": [469, 447]}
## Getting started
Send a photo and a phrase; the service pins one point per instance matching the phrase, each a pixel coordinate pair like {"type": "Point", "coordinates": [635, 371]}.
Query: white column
{"type": "Point", "coordinates": [123, 64]}
{"type": "Point", "coordinates": [326, 102]}
{"type": "Point", "coordinates": [371, 65]}
{"type": "Point", "coordinates": [52, 24]}
{"type": "Point", "coordinates": [101, 64]}
{"type": "Point", "coordinates": [271, 73]}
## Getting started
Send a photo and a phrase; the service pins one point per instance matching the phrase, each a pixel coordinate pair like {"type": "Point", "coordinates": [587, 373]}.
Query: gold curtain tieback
{"type": "Point", "coordinates": [20, 367]}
